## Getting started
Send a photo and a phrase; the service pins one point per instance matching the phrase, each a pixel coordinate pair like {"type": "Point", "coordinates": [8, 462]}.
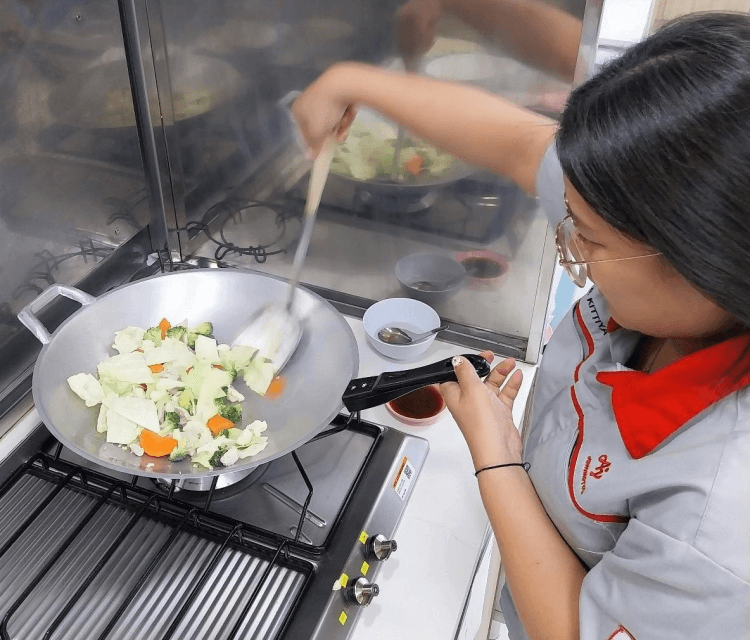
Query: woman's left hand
{"type": "Point", "coordinates": [484, 410]}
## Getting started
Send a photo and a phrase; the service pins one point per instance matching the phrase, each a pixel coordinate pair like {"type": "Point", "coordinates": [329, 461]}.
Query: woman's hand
{"type": "Point", "coordinates": [415, 26]}
{"type": "Point", "coordinates": [321, 110]}
{"type": "Point", "coordinates": [483, 410]}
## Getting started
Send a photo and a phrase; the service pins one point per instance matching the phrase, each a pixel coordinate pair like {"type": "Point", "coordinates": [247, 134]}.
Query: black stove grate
{"type": "Point", "coordinates": [163, 565]}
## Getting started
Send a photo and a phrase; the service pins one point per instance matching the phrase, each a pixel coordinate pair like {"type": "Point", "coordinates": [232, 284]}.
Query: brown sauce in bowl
{"type": "Point", "coordinates": [484, 268]}
{"type": "Point", "coordinates": [420, 404]}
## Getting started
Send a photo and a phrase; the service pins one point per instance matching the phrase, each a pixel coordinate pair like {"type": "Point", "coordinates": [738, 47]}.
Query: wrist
{"type": "Point", "coordinates": [491, 451]}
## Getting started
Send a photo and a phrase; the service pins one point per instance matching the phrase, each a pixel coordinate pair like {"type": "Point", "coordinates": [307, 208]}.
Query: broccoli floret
{"type": "Point", "coordinates": [178, 454]}
{"type": "Point", "coordinates": [172, 418]}
{"type": "Point", "coordinates": [225, 433]}
{"type": "Point", "coordinates": [231, 412]}
{"type": "Point", "coordinates": [187, 400]}
{"type": "Point", "coordinates": [178, 333]}
{"type": "Point", "coordinates": [203, 329]}
{"type": "Point", "coordinates": [153, 334]}
{"type": "Point", "coordinates": [191, 339]}
{"type": "Point", "coordinates": [215, 460]}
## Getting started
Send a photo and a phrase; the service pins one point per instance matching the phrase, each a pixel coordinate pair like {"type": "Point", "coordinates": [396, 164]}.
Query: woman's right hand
{"type": "Point", "coordinates": [322, 110]}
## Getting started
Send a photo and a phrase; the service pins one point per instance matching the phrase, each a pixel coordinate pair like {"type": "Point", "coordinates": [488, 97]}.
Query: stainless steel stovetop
{"type": "Point", "coordinates": [87, 553]}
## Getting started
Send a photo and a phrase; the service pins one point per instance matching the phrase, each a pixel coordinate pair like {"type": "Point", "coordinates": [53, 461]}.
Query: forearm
{"type": "Point", "coordinates": [542, 35]}
{"type": "Point", "coordinates": [470, 123]}
{"type": "Point", "coordinates": [543, 573]}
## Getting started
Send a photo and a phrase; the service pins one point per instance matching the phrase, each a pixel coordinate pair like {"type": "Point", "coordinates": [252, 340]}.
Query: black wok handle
{"type": "Point", "coordinates": [364, 393]}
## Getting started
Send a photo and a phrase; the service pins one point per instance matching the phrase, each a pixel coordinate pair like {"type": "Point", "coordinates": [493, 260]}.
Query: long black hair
{"type": "Point", "coordinates": [658, 144]}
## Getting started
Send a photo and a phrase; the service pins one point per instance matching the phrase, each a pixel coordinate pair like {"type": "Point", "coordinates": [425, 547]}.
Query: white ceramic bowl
{"type": "Point", "coordinates": [405, 313]}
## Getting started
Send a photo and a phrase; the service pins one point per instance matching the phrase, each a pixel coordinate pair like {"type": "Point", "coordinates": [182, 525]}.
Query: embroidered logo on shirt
{"type": "Point", "coordinates": [604, 465]}
{"type": "Point", "coordinates": [595, 316]}
{"type": "Point", "coordinates": [621, 633]}
{"type": "Point", "coordinates": [597, 472]}
{"type": "Point", "coordinates": [586, 466]}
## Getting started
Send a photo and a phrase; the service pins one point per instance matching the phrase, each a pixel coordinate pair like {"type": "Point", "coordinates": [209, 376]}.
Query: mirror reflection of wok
{"type": "Point", "coordinates": [365, 160]}
{"type": "Point", "coordinates": [100, 97]}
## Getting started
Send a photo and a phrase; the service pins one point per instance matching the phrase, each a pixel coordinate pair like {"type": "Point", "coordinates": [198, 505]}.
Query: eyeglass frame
{"type": "Point", "coordinates": [563, 247]}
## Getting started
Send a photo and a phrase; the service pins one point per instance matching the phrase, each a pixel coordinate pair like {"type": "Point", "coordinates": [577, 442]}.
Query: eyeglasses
{"type": "Point", "coordinates": [572, 255]}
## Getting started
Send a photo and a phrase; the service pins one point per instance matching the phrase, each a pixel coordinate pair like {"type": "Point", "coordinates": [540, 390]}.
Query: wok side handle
{"type": "Point", "coordinates": [365, 393]}
{"type": "Point", "coordinates": [27, 315]}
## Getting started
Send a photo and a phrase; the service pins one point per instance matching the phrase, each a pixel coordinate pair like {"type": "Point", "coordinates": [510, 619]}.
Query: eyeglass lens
{"type": "Point", "coordinates": [570, 251]}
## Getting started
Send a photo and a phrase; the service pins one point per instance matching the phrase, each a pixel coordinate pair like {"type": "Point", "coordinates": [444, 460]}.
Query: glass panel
{"type": "Point", "coordinates": [71, 179]}
{"type": "Point", "coordinates": [233, 155]}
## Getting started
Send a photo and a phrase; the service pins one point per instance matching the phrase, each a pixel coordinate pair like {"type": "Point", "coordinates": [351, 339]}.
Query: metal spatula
{"type": "Point", "coordinates": [274, 329]}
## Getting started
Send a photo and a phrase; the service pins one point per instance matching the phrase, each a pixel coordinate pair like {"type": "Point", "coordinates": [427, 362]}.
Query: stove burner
{"type": "Point", "coordinates": [199, 486]}
{"type": "Point", "coordinates": [394, 203]}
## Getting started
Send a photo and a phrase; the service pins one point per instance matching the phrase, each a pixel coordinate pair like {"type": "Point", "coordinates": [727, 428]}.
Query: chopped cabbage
{"type": "Point", "coordinates": [368, 153]}
{"type": "Point", "coordinates": [166, 387]}
{"type": "Point", "coordinates": [87, 388]}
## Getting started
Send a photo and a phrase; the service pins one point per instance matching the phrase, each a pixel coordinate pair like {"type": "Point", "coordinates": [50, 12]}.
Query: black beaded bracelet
{"type": "Point", "coordinates": [525, 465]}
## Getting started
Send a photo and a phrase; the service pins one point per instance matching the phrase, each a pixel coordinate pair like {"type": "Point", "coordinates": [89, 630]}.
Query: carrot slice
{"type": "Point", "coordinates": [164, 326]}
{"type": "Point", "coordinates": [218, 423]}
{"type": "Point", "coordinates": [414, 165]}
{"type": "Point", "coordinates": [276, 387]}
{"type": "Point", "coordinates": [155, 445]}
{"type": "Point", "coordinates": [156, 368]}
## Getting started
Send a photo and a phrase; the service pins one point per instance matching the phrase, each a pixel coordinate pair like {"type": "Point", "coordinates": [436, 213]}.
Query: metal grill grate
{"type": "Point", "coordinates": [85, 556]}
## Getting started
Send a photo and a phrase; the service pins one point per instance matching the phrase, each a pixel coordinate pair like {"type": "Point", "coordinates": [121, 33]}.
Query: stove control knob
{"type": "Point", "coordinates": [361, 592]}
{"type": "Point", "coordinates": [378, 548]}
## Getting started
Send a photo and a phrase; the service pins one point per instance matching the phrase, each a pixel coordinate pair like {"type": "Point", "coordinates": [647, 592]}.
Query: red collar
{"type": "Point", "coordinates": [650, 407]}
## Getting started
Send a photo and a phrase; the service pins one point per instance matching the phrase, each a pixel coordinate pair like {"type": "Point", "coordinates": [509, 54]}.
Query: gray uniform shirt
{"type": "Point", "coordinates": [646, 476]}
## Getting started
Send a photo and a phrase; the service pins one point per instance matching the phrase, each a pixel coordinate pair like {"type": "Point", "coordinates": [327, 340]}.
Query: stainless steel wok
{"type": "Point", "coordinates": [319, 376]}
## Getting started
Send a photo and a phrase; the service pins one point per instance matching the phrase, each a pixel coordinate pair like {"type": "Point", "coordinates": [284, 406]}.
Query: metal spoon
{"type": "Point", "coordinates": [398, 335]}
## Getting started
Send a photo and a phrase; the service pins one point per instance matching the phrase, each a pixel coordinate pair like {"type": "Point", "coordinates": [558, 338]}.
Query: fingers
{"type": "Point", "coordinates": [342, 131]}
{"type": "Point", "coordinates": [509, 392]}
{"type": "Point", "coordinates": [465, 372]}
{"type": "Point", "coordinates": [497, 376]}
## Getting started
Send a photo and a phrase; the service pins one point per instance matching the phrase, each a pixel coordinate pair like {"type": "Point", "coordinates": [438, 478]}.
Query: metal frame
{"type": "Point", "coordinates": [148, 68]}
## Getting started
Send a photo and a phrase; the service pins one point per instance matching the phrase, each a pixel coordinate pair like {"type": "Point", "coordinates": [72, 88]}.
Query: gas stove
{"type": "Point", "coordinates": [290, 551]}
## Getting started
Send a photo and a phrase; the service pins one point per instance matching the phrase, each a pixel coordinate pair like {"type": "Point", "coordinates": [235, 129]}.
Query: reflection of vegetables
{"type": "Point", "coordinates": [414, 165]}
{"type": "Point", "coordinates": [160, 398]}
{"type": "Point", "coordinates": [368, 153]}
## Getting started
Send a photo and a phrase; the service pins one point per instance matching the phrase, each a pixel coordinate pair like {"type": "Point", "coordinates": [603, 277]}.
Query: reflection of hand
{"type": "Point", "coordinates": [483, 411]}
{"type": "Point", "coordinates": [319, 111]}
{"type": "Point", "coordinates": [415, 26]}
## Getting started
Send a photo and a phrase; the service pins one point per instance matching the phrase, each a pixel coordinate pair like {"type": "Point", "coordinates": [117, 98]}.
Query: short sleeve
{"type": "Point", "coordinates": [654, 586]}
{"type": "Point", "coordinates": [550, 188]}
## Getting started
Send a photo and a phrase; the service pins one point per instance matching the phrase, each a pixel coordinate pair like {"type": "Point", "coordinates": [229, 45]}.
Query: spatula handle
{"type": "Point", "coordinates": [318, 176]}
{"type": "Point", "coordinates": [365, 393]}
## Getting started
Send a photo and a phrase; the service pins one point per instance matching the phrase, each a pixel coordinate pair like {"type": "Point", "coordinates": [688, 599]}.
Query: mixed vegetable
{"type": "Point", "coordinates": [168, 392]}
{"type": "Point", "coordinates": [368, 154]}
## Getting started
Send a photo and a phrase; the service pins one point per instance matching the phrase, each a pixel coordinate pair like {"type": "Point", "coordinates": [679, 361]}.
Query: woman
{"type": "Point", "coordinates": [633, 520]}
